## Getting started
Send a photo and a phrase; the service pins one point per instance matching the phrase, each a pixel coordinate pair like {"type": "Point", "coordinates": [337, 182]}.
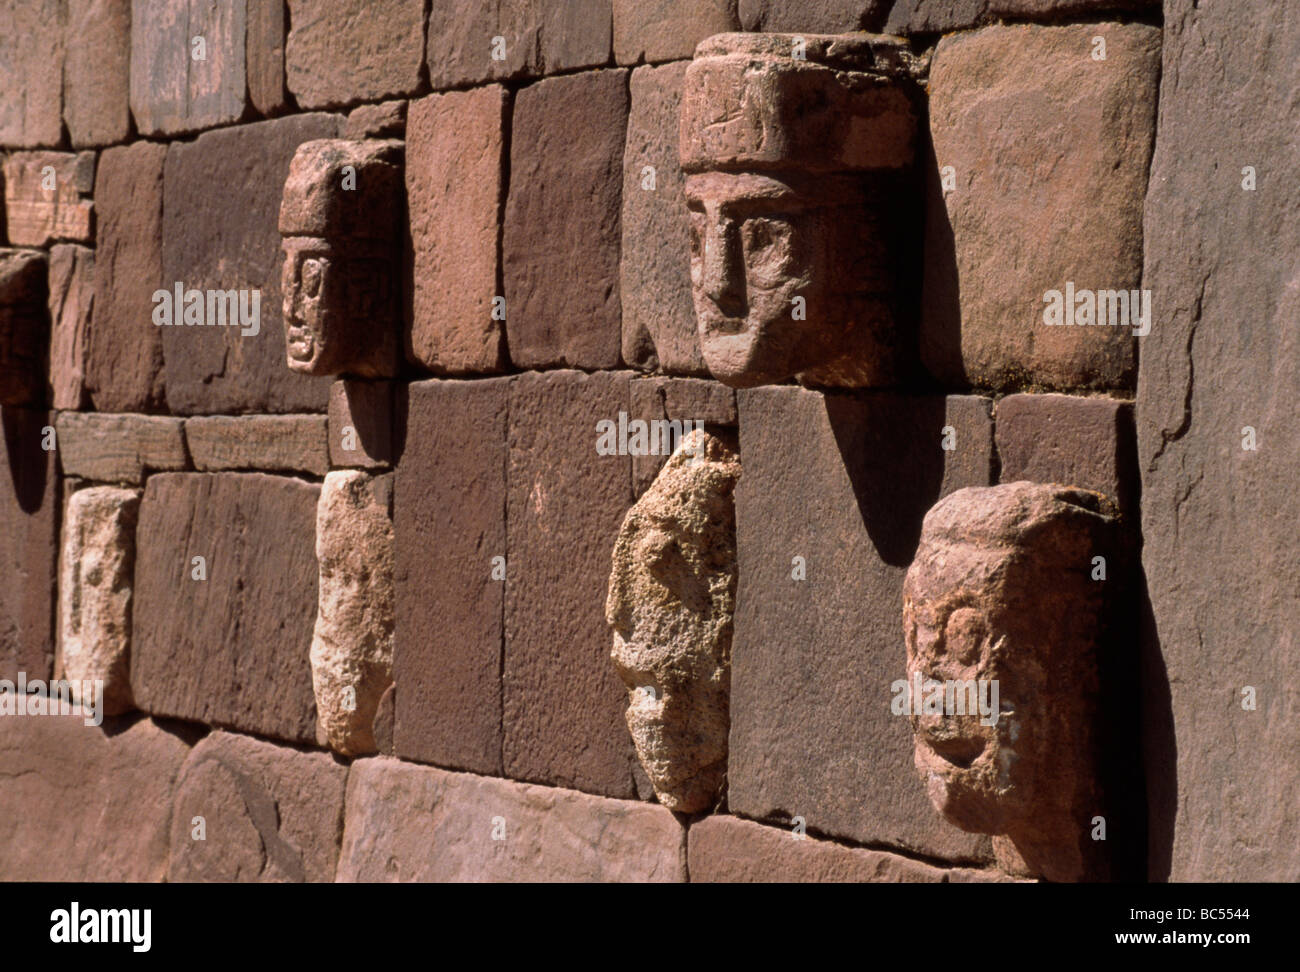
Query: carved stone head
{"type": "Point", "coordinates": [340, 221]}
{"type": "Point", "coordinates": [793, 147]}
{"type": "Point", "coordinates": [671, 598]}
{"type": "Point", "coordinates": [24, 327]}
{"type": "Point", "coordinates": [1002, 591]}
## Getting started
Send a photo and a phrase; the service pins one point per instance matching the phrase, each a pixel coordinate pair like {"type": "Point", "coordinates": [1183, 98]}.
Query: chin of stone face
{"type": "Point", "coordinates": [671, 599]}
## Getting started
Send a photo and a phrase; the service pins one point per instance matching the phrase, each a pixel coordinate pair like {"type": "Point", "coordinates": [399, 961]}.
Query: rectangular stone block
{"type": "Point", "coordinates": [560, 244]}
{"type": "Point", "coordinates": [563, 699]}
{"type": "Point", "coordinates": [454, 171]}
{"type": "Point", "coordinates": [676, 400]}
{"type": "Point", "coordinates": [1031, 96]}
{"type": "Point", "coordinates": [45, 197]}
{"type": "Point", "coordinates": [814, 16]}
{"type": "Point", "coordinates": [98, 795]}
{"type": "Point", "coordinates": [1067, 439]}
{"type": "Point", "coordinates": [942, 16]}
{"type": "Point", "coordinates": [179, 84]}
{"type": "Point", "coordinates": [31, 62]}
{"type": "Point", "coordinates": [416, 823]}
{"type": "Point", "coordinates": [450, 529]}
{"type": "Point", "coordinates": [970, 458]}
{"type": "Point", "coordinates": [361, 424]}
{"type": "Point", "coordinates": [537, 37]}
{"type": "Point", "coordinates": [29, 536]}
{"type": "Point", "coordinates": [211, 245]}
{"type": "Point", "coordinates": [71, 298]}
{"type": "Point", "coordinates": [270, 813]}
{"type": "Point", "coordinates": [654, 269]}
{"type": "Point", "coordinates": [264, 55]}
{"type": "Point", "coordinates": [124, 350]}
{"type": "Point", "coordinates": [828, 515]}
{"type": "Point", "coordinates": [114, 448]}
{"type": "Point", "coordinates": [97, 72]}
{"type": "Point", "coordinates": [723, 849]}
{"type": "Point", "coordinates": [24, 328]}
{"type": "Point", "coordinates": [230, 650]}
{"type": "Point", "coordinates": [345, 51]}
{"type": "Point", "coordinates": [386, 120]}
{"type": "Point", "coordinates": [667, 30]}
{"type": "Point", "coordinates": [274, 443]}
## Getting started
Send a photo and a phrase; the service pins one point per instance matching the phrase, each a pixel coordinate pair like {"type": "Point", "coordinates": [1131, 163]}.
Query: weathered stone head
{"type": "Point", "coordinates": [24, 327]}
{"type": "Point", "coordinates": [671, 597]}
{"type": "Point", "coordinates": [793, 148]}
{"type": "Point", "coordinates": [1002, 589]}
{"type": "Point", "coordinates": [341, 221]}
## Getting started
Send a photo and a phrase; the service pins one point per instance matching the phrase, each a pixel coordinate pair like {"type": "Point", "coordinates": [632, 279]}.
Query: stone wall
{"type": "Point", "coordinates": [350, 621]}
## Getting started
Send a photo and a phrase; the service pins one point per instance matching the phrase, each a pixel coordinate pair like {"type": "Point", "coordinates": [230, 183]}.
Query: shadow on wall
{"type": "Point", "coordinates": [28, 462]}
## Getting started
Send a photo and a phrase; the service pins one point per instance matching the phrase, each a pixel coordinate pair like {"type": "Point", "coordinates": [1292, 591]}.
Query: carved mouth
{"type": "Point", "coordinates": [300, 342]}
{"type": "Point", "coordinates": [961, 751]}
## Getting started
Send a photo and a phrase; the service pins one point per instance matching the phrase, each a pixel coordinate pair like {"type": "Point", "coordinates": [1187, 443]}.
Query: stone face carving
{"type": "Point", "coordinates": [352, 644]}
{"type": "Point", "coordinates": [794, 148]}
{"type": "Point", "coordinates": [96, 583]}
{"type": "Point", "coordinates": [24, 327]}
{"type": "Point", "coordinates": [671, 598]}
{"type": "Point", "coordinates": [341, 219]}
{"type": "Point", "coordinates": [1003, 588]}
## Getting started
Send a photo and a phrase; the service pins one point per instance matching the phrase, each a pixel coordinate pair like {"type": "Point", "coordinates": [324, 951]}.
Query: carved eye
{"type": "Point", "coordinates": [312, 271]}
{"type": "Point", "coordinates": [964, 634]}
{"type": "Point", "coordinates": [769, 250]}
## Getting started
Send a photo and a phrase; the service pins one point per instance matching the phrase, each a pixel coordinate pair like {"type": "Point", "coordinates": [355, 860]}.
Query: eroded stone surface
{"type": "Point", "coordinates": [110, 448]}
{"type": "Point", "coordinates": [352, 645]}
{"type": "Point", "coordinates": [345, 51]}
{"type": "Point", "coordinates": [1002, 593]}
{"type": "Point", "coordinates": [24, 327]}
{"type": "Point", "coordinates": [265, 55]}
{"type": "Point", "coordinates": [826, 16]}
{"type": "Point", "coordinates": [384, 120]}
{"type": "Point", "coordinates": [47, 197]}
{"type": "Point", "coordinates": [72, 297]}
{"type": "Point", "coordinates": [31, 62]}
{"type": "Point", "coordinates": [671, 597]}
{"type": "Point", "coordinates": [96, 73]}
{"type": "Point", "coordinates": [666, 30]}
{"type": "Point", "coordinates": [96, 583]}
{"type": "Point", "coordinates": [276, 443]}
{"type": "Point", "coordinates": [361, 423]}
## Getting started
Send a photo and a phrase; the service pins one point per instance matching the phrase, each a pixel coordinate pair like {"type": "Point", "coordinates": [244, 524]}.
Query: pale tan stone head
{"type": "Point", "coordinates": [340, 222]}
{"type": "Point", "coordinates": [792, 146]}
{"type": "Point", "coordinates": [1002, 590]}
{"type": "Point", "coordinates": [671, 597]}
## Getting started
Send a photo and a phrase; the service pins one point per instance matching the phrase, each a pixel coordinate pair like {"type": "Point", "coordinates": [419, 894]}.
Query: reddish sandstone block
{"type": "Point", "coordinates": [560, 248]}
{"type": "Point", "coordinates": [654, 269]}
{"type": "Point", "coordinates": [275, 443]}
{"type": "Point", "coordinates": [96, 72]}
{"type": "Point", "coordinates": [361, 423]}
{"type": "Point", "coordinates": [231, 650]}
{"type": "Point", "coordinates": [45, 197]}
{"type": "Point", "coordinates": [680, 400]}
{"type": "Point", "coordinates": [455, 150]}
{"type": "Point", "coordinates": [563, 700]}
{"type": "Point", "coordinates": [31, 62]}
{"type": "Point", "coordinates": [450, 524]}
{"type": "Point", "coordinates": [173, 88]}
{"type": "Point", "coordinates": [115, 448]}
{"type": "Point", "coordinates": [416, 823]}
{"type": "Point", "coordinates": [1067, 439]}
{"type": "Point", "coordinates": [942, 16]}
{"type": "Point", "coordinates": [969, 455]}
{"type": "Point", "coordinates": [264, 52]}
{"type": "Point", "coordinates": [211, 245]}
{"type": "Point", "coordinates": [841, 482]}
{"type": "Point", "coordinates": [71, 296]}
{"type": "Point", "coordinates": [28, 544]}
{"type": "Point", "coordinates": [342, 51]}
{"type": "Point", "coordinates": [727, 849]}
{"type": "Point", "coordinates": [269, 813]}
{"type": "Point", "coordinates": [813, 16]}
{"type": "Point", "coordinates": [667, 30]}
{"type": "Point", "coordinates": [124, 354]}
{"type": "Point", "coordinates": [101, 795]}
{"type": "Point", "coordinates": [386, 120]}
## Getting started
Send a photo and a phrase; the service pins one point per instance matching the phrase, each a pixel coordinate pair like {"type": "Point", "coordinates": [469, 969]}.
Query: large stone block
{"type": "Point", "coordinates": [384, 120]}
{"type": "Point", "coordinates": [99, 796]}
{"type": "Point", "coordinates": [454, 172]}
{"type": "Point", "coordinates": [416, 823]}
{"type": "Point", "coordinates": [563, 700]}
{"type": "Point", "coordinates": [450, 525]}
{"type": "Point", "coordinates": [723, 849]}
{"type": "Point", "coordinates": [45, 197]}
{"type": "Point", "coordinates": [655, 266]}
{"type": "Point", "coordinates": [560, 244]}
{"type": "Point", "coordinates": [113, 448]}
{"type": "Point", "coordinates": [345, 51]}
{"type": "Point", "coordinates": [268, 813]}
{"type": "Point", "coordinates": [1049, 151]}
{"type": "Point", "coordinates": [96, 580]}
{"type": "Point", "coordinates": [211, 245]}
{"type": "Point", "coordinates": [676, 400]}
{"type": "Point", "coordinates": [97, 72]}
{"type": "Point", "coordinates": [264, 54]}
{"type": "Point", "coordinates": [535, 37]}
{"type": "Point", "coordinates": [187, 64]}
{"type": "Point", "coordinates": [275, 443]}
{"type": "Point", "coordinates": [24, 327]}
{"type": "Point", "coordinates": [31, 63]}
{"type": "Point", "coordinates": [1218, 520]}
{"type": "Point", "coordinates": [667, 30]}
{"type": "Point", "coordinates": [124, 350]}
{"type": "Point", "coordinates": [361, 423]}
{"type": "Point", "coordinates": [815, 16]}
{"type": "Point", "coordinates": [29, 536]}
{"type": "Point", "coordinates": [828, 514]}
{"type": "Point", "coordinates": [232, 649]}
{"type": "Point", "coordinates": [72, 297]}
{"type": "Point", "coordinates": [941, 16]}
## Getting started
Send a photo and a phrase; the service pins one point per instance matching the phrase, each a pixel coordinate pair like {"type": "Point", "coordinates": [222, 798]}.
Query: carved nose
{"type": "Point", "coordinates": [724, 270]}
